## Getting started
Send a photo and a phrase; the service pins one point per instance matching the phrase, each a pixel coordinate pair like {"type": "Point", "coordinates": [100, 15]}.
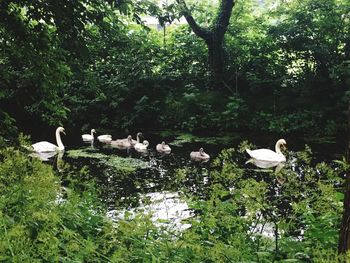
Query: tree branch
{"type": "Point", "coordinates": [199, 31]}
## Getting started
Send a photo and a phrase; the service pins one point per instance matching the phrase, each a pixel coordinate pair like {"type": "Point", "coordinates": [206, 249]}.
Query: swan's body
{"type": "Point", "coordinates": [163, 148]}
{"type": "Point", "coordinates": [122, 143]}
{"type": "Point", "coordinates": [269, 155]}
{"type": "Point", "coordinates": [105, 138]}
{"type": "Point", "coordinates": [200, 155]}
{"type": "Point", "coordinates": [88, 137]}
{"type": "Point", "coordinates": [141, 146]}
{"type": "Point", "coordinates": [45, 146]}
{"type": "Point", "coordinates": [44, 156]}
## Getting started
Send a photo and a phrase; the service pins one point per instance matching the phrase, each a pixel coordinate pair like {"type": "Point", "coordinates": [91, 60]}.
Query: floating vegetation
{"type": "Point", "coordinates": [113, 161]}
{"type": "Point", "coordinates": [190, 138]}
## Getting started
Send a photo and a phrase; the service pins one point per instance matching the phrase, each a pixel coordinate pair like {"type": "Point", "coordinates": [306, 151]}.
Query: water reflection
{"type": "Point", "coordinates": [55, 158]}
{"type": "Point", "coordinates": [165, 208]}
{"type": "Point", "coordinates": [267, 164]}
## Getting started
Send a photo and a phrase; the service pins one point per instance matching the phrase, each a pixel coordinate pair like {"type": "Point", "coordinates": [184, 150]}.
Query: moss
{"type": "Point", "coordinates": [117, 162]}
{"type": "Point", "coordinates": [190, 138]}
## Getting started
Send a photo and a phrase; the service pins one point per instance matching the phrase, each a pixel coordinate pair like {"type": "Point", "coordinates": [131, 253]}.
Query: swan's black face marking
{"type": "Point", "coordinates": [61, 129]}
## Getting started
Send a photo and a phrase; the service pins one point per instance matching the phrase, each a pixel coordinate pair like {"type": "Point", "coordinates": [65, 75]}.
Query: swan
{"type": "Point", "coordinates": [122, 143]}
{"type": "Point", "coordinates": [269, 155]}
{"type": "Point", "coordinates": [200, 155]}
{"type": "Point", "coordinates": [45, 146]}
{"type": "Point", "coordinates": [133, 142]}
{"type": "Point", "coordinates": [88, 137]}
{"type": "Point", "coordinates": [137, 138]}
{"type": "Point", "coordinates": [105, 138]}
{"type": "Point", "coordinates": [163, 148]}
{"type": "Point", "coordinates": [141, 146]}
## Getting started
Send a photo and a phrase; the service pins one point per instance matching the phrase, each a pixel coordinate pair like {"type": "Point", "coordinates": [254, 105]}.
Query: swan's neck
{"type": "Point", "coordinates": [278, 148]}
{"type": "Point", "coordinates": [92, 133]}
{"type": "Point", "coordinates": [60, 145]}
{"type": "Point", "coordinates": [137, 138]}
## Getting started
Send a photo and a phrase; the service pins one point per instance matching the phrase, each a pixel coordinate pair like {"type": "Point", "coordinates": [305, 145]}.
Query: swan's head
{"type": "Point", "coordinates": [93, 131]}
{"type": "Point", "coordinates": [201, 150]}
{"type": "Point", "coordinates": [163, 143]}
{"type": "Point", "coordinates": [139, 134]}
{"type": "Point", "coordinates": [282, 142]}
{"type": "Point", "coordinates": [60, 129]}
{"type": "Point", "coordinates": [145, 142]}
{"type": "Point", "coordinates": [129, 138]}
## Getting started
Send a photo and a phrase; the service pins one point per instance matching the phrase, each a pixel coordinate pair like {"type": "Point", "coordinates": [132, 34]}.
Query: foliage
{"type": "Point", "coordinates": [100, 65]}
{"type": "Point", "coordinates": [249, 214]}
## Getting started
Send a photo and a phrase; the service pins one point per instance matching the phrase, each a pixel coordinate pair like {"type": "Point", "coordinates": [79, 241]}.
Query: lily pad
{"type": "Point", "coordinates": [114, 161]}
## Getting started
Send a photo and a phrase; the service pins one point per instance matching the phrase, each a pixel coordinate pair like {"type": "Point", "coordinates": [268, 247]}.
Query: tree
{"type": "Point", "coordinates": [213, 37]}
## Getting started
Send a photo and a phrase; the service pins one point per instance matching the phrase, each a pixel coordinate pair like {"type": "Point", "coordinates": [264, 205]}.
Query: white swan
{"type": "Point", "coordinates": [137, 138]}
{"type": "Point", "coordinates": [45, 146]}
{"type": "Point", "coordinates": [106, 138]}
{"type": "Point", "coordinates": [163, 148]}
{"type": "Point", "coordinates": [200, 155]}
{"type": "Point", "coordinates": [269, 155]}
{"type": "Point", "coordinates": [141, 146]}
{"type": "Point", "coordinates": [88, 137]}
{"type": "Point", "coordinates": [122, 143]}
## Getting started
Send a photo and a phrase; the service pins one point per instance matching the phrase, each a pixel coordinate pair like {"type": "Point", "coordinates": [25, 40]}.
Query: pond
{"type": "Point", "coordinates": [130, 182]}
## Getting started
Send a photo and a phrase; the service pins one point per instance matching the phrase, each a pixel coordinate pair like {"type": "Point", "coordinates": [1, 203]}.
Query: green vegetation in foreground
{"type": "Point", "coordinates": [120, 163]}
{"type": "Point", "coordinates": [39, 221]}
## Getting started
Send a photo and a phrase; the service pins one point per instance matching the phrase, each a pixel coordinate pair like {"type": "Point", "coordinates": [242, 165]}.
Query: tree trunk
{"type": "Point", "coordinates": [344, 235]}
{"type": "Point", "coordinates": [214, 38]}
{"type": "Point", "coordinates": [216, 62]}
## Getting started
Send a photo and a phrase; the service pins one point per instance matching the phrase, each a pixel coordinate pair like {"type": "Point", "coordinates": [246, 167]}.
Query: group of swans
{"type": "Point", "coordinates": [127, 142]}
{"type": "Point", "coordinates": [262, 157]}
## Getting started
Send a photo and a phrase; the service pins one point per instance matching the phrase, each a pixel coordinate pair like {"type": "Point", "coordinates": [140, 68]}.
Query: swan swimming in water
{"type": "Point", "coordinates": [45, 146]}
{"type": "Point", "coordinates": [88, 137]}
{"type": "Point", "coordinates": [200, 155]}
{"type": "Point", "coordinates": [122, 143]}
{"type": "Point", "coordinates": [106, 138]}
{"type": "Point", "coordinates": [269, 155]}
{"type": "Point", "coordinates": [163, 148]}
{"type": "Point", "coordinates": [141, 146]}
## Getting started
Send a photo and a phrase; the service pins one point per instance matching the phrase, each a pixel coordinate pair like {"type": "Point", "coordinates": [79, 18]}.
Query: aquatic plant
{"type": "Point", "coordinates": [120, 163]}
{"type": "Point", "coordinates": [190, 138]}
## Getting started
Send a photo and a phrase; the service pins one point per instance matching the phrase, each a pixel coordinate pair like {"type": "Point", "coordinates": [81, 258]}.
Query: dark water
{"type": "Point", "coordinates": [160, 186]}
